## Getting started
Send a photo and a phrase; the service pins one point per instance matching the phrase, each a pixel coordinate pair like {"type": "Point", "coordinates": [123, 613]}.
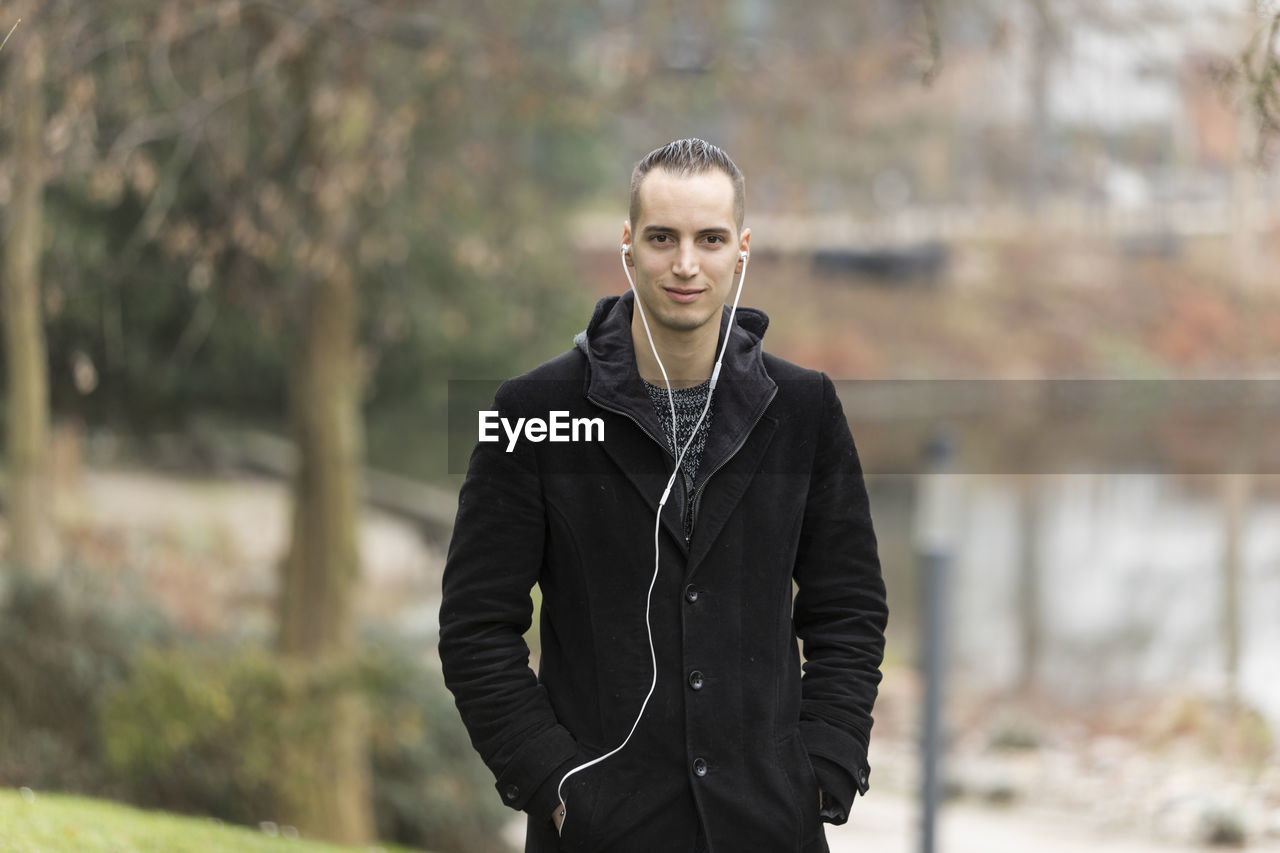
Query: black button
{"type": "Point", "coordinates": [691, 593]}
{"type": "Point", "coordinates": [511, 793]}
{"type": "Point", "coordinates": [699, 767]}
{"type": "Point", "coordinates": [695, 680]}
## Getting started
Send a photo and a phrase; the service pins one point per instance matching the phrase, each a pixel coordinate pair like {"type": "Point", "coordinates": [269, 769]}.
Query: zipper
{"type": "Point", "coordinates": [684, 488]}
{"type": "Point", "coordinates": [652, 438]}
{"type": "Point", "coordinates": [688, 507]}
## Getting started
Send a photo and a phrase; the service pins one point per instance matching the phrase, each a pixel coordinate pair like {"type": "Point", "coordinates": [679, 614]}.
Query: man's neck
{"type": "Point", "coordinates": [687, 356]}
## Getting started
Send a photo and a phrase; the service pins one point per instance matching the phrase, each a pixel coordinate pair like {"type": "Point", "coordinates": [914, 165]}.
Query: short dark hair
{"type": "Point", "coordinates": [683, 158]}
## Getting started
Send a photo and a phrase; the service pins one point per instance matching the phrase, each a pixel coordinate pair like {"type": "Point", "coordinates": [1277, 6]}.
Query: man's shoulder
{"type": "Point", "coordinates": [797, 384]}
{"type": "Point", "coordinates": [552, 380]}
{"type": "Point", "coordinates": [568, 365]}
{"type": "Point", "coordinates": [782, 370]}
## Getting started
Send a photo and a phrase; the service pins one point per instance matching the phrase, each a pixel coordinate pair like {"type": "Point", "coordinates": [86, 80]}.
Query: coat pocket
{"type": "Point", "coordinates": [580, 802]}
{"type": "Point", "coordinates": [795, 762]}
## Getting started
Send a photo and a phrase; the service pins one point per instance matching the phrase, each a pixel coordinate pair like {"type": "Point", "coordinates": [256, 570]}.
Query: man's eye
{"type": "Point", "coordinates": [715, 238]}
{"type": "Point", "coordinates": [660, 238]}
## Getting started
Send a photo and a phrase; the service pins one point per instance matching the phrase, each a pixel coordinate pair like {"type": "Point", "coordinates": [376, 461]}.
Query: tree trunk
{"type": "Point", "coordinates": [25, 351]}
{"type": "Point", "coordinates": [1043, 43]}
{"type": "Point", "coordinates": [1245, 178]}
{"type": "Point", "coordinates": [316, 629]}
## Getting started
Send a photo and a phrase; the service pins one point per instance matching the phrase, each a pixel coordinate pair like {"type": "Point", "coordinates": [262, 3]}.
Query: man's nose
{"type": "Point", "coordinates": [686, 263]}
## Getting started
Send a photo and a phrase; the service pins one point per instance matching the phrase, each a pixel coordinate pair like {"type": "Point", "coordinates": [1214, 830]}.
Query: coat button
{"type": "Point", "coordinates": [511, 793]}
{"type": "Point", "coordinates": [695, 679]}
{"type": "Point", "coordinates": [691, 593]}
{"type": "Point", "coordinates": [699, 767]}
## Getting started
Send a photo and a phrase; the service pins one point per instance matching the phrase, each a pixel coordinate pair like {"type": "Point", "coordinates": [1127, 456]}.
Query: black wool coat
{"type": "Point", "coordinates": [736, 735]}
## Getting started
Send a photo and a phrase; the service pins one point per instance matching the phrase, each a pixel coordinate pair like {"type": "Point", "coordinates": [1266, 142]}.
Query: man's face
{"type": "Point", "coordinates": [684, 248]}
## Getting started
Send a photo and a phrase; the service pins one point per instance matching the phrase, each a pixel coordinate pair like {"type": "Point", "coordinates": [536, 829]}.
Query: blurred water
{"type": "Point", "coordinates": [1130, 592]}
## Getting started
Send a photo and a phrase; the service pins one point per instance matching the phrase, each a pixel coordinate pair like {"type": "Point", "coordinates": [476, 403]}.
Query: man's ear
{"type": "Point", "coordinates": [744, 245]}
{"type": "Point", "coordinates": [627, 257]}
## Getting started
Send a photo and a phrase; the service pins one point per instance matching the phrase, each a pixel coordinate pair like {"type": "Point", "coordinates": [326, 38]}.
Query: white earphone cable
{"type": "Point", "coordinates": [657, 523]}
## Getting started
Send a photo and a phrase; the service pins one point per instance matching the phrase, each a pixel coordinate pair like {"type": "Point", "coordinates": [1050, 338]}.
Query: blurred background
{"type": "Point", "coordinates": [248, 245]}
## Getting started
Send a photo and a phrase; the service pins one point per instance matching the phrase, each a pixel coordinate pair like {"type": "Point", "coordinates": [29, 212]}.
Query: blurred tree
{"type": "Point", "coordinates": [175, 170]}
{"type": "Point", "coordinates": [1259, 65]}
{"type": "Point", "coordinates": [1045, 41]}
{"type": "Point", "coordinates": [1252, 122]}
{"type": "Point", "coordinates": [319, 574]}
{"type": "Point", "coordinates": [27, 415]}
{"type": "Point", "coordinates": [341, 203]}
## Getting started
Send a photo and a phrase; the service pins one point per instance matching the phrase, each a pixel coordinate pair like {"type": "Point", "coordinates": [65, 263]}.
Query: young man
{"type": "Point", "coordinates": [669, 711]}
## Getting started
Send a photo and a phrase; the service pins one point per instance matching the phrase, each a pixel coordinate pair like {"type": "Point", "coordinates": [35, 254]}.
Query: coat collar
{"type": "Point", "coordinates": [613, 382]}
{"type": "Point", "coordinates": [741, 397]}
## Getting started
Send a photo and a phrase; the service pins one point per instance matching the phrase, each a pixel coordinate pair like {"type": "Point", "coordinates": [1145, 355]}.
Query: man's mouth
{"type": "Point", "coordinates": [683, 295]}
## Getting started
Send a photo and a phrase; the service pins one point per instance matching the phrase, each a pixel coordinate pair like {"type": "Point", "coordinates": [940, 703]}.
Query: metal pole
{"type": "Point", "coordinates": [935, 596]}
{"type": "Point", "coordinates": [935, 534]}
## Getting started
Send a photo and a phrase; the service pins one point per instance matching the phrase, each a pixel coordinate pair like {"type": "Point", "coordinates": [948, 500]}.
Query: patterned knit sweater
{"type": "Point", "coordinates": [689, 403]}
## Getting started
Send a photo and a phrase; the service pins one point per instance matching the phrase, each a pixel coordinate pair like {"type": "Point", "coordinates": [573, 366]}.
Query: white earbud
{"type": "Point", "coordinates": [742, 255]}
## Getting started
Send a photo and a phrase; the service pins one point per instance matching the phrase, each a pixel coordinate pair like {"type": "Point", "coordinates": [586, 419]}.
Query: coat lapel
{"type": "Point", "coordinates": [725, 490]}
{"type": "Point", "coordinates": [647, 467]}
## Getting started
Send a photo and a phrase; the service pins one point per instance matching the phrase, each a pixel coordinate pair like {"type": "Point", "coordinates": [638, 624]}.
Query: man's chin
{"type": "Point", "coordinates": [685, 322]}
{"type": "Point", "coordinates": [681, 318]}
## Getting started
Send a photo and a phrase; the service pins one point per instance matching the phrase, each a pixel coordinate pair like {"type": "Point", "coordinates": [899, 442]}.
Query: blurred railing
{"type": "Point", "coordinates": [921, 224]}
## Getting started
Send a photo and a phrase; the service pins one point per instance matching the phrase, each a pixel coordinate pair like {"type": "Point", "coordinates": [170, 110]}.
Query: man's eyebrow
{"type": "Point", "coordinates": [666, 229]}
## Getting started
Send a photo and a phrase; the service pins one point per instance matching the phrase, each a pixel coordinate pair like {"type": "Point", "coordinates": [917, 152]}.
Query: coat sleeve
{"type": "Point", "coordinates": [494, 559]}
{"type": "Point", "coordinates": [840, 615]}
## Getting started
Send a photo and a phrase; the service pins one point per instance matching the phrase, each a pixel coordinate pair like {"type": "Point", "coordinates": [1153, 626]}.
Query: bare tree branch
{"type": "Point", "coordinates": [191, 114]}
{"type": "Point", "coordinates": [372, 19]}
{"type": "Point", "coordinates": [1260, 67]}
{"type": "Point", "coordinates": [933, 32]}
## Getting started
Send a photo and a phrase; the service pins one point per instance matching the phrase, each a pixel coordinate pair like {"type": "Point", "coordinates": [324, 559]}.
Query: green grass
{"type": "Point", "coordinates": [53, 823]}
